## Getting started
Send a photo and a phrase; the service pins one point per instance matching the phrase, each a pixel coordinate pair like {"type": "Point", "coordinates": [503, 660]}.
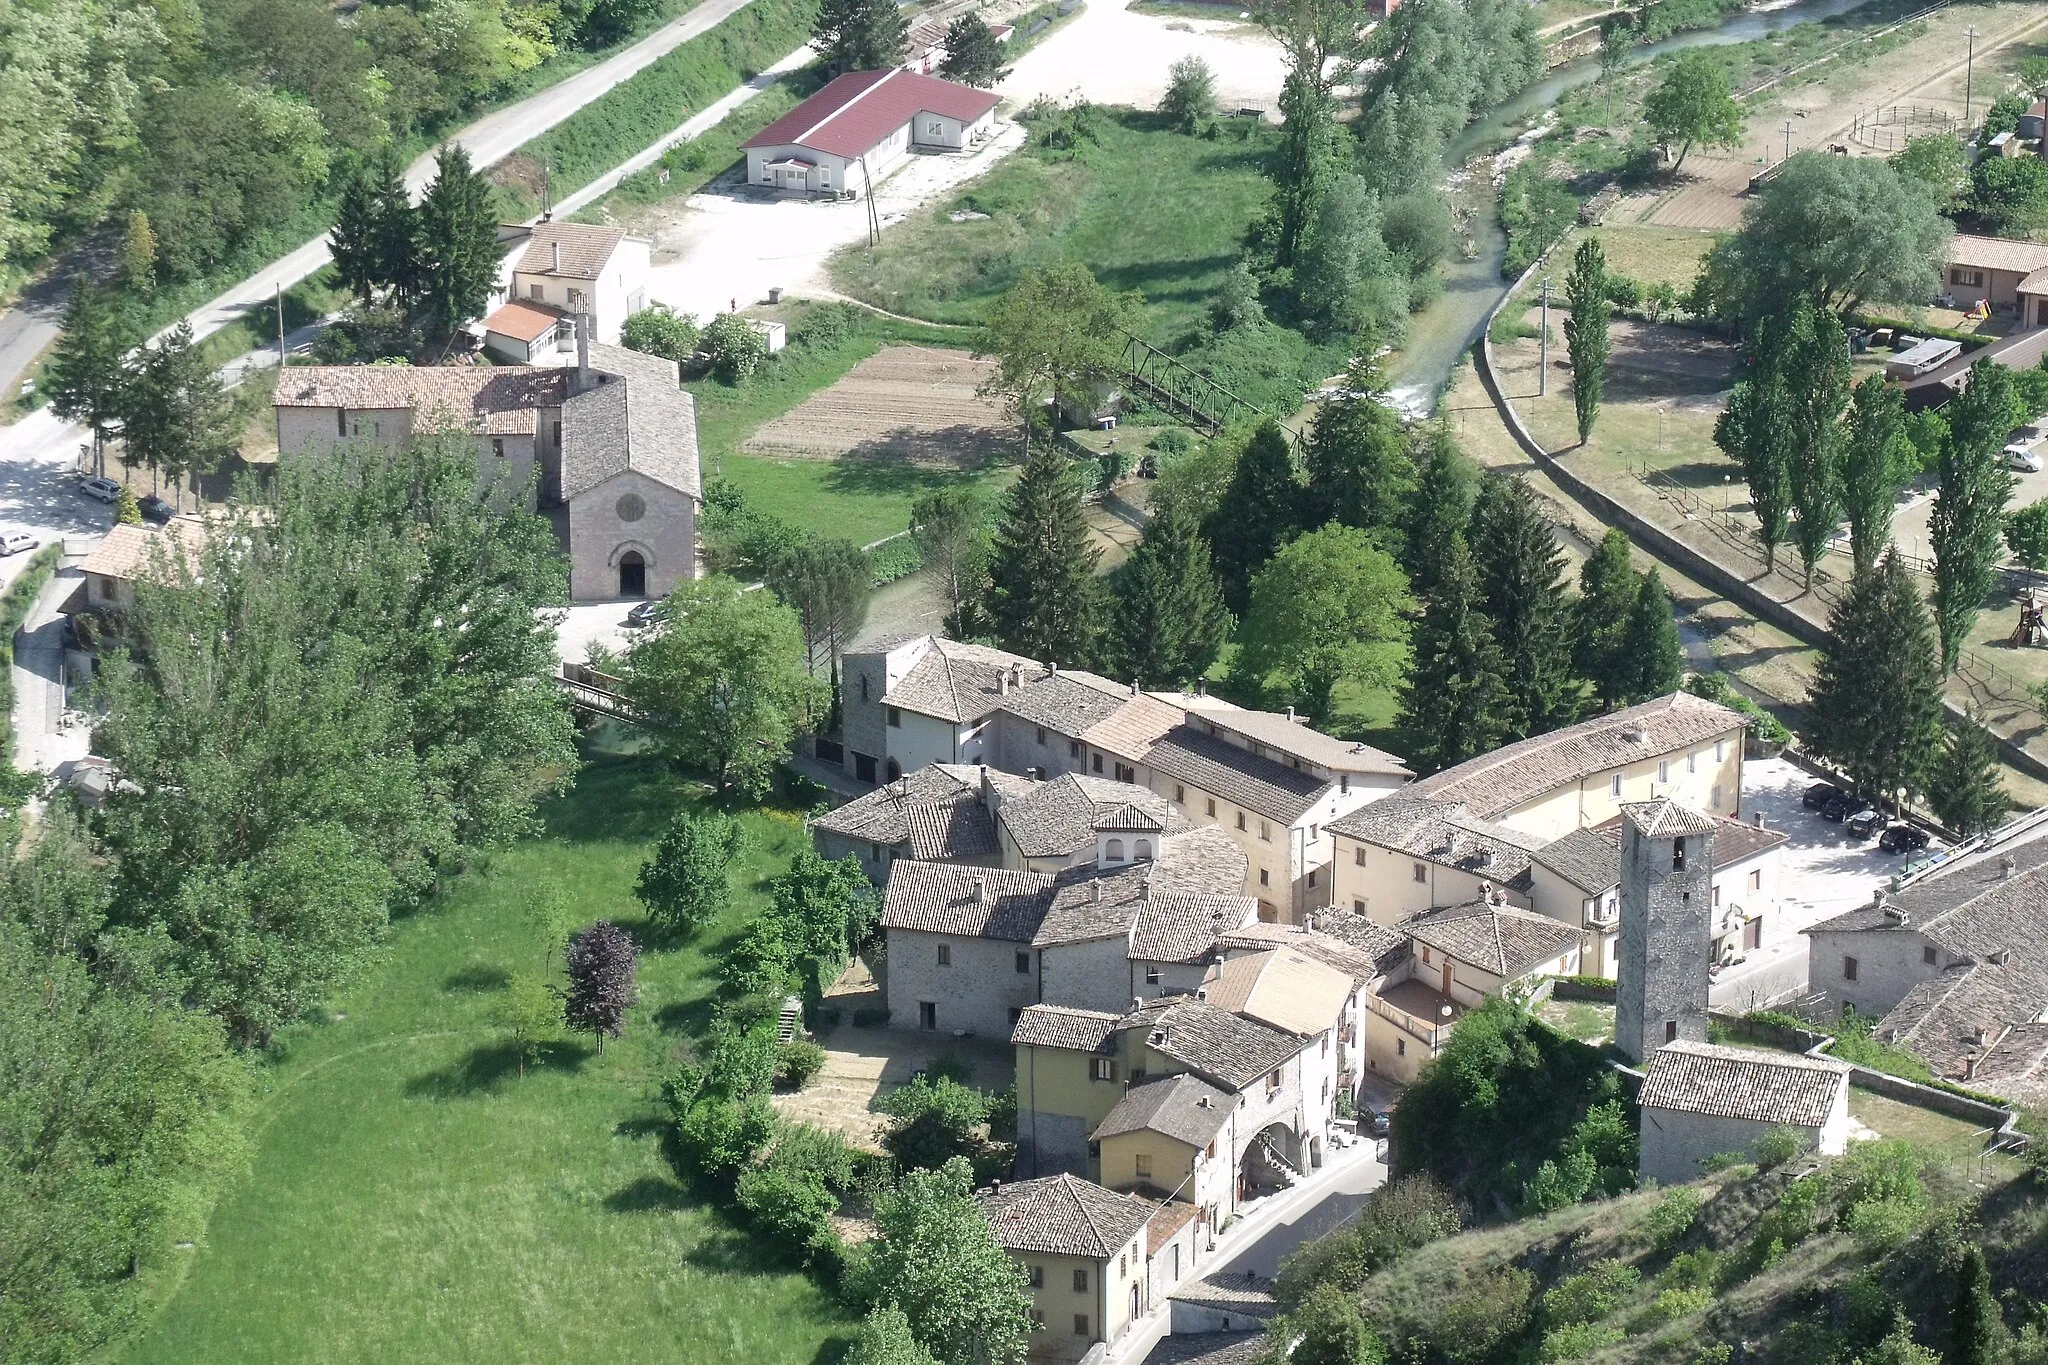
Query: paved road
{"type": "Point", "coordinates": [32, 324]}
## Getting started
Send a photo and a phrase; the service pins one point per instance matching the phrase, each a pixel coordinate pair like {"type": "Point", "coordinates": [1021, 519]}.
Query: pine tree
{"type": "Point", "coordinates": [1453, 705]}
{"type": "Point", "coordinates": [353, 242]}
{"type": "Point", "coordinates": [177, 419]}
{"type": "Point", "coordinates": [973, 56]}
{"type": "Point", "coordinates": [1360, 470]}
{"type": "Point", "coordinates": [458, 242]}
{"type": "Point", "coordinates": [1875, 705]}
{"type": "Point", "coordinates": [1650, 648]}
{"type": "Point", "coordinates": [87, 378]}
{"type": "Point", "coordinates": [1257, 513]}
{"type": "Point", "coordinates": [860, 35]}
{"type": "Point", "coordinates": [375, 237]}
{"type": "Point", "coordinates": [1974, 1324]}
{"type": "Point", "coordinates": [1045, 600]}
{"type": "Point", "coordinates": [1170, 619]}
{"type": "Point", "coordinates": [1967, 524]}
{"type": "Point", "coordinates": [1815, 366]}
{"type": "Point", "coordinates": [1877, 459]}
{"type": "Point", "coordinates": [1444, 493]}
{"type": "Point", "coordinates": [1607, 596]}
{"type": "Point", "coordinates": [1963, 784]}
{"type": "Point", "coordinates": [1521, 579]}
{"type": "Point", "coordinates": [1585, 331]}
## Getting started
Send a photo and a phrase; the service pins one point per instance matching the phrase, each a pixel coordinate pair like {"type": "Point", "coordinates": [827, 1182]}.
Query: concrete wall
{"type": "Point", "coordinates": [504, 464]}
{"type": "Point", "coordinates": [1146, 1157]}
{"type": "Point", "coordinates": [978, 990]}
{"type": "Point", "coordinates": [600, 535]}
{"type": "Point", "coordinates": [913, 741]}
{"type": "Point", "coordinates": [1104, 1301]}
{"type": "Point", "coordinates": [618, 292]}
{"type": "Point", "coordinates": [1287, 853]}
{"type": "Point", "coordinates": [1674, 1143]}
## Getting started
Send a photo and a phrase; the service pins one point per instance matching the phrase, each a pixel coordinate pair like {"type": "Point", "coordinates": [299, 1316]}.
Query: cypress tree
{"type": "Point", "coordinates": [1045, 600]}
{"type": "Point", "coordinates": [458, 242]}
{"type": "Point", "coordinates": [1968, 521]}
{"type": "Point", "coordinates": [1875, 705]}
{"type": "Point", "coordinates": [1444, 491]}
{"type": "Point", "coordinates": [87, 378]}
{"type": "Point", "coordinates": [1170, 619]}
{"type": "Point", "coordinates": [1974, 1323]}
{"type": "Point", "coordinates": [1360, 471]}
{"type": "Point", "coordinates": [1607, 596]}
{"type": "Point", "coordinates": [178, 420]}
{"type": "Point", "coordinates": [1963, 784]}
{"type": "Point", "coordinates": [1453, 704]}
{"type": "Point", "coordinates": [1650, 650]}
{"type": "Point", "coordinates": [1815, 366]}
{"type": "Point", "coordinates": [1521, 578]}
{"type": "Point", "coordinates": [1585, 331]}
{"type": "Point", "coordinates": [1257, 513]}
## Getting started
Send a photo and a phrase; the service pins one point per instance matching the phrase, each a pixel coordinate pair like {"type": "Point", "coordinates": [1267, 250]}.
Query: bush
{"type": "Point", "coordinates": [1536, 210]}
{"type": "Point", "coordinates": [1671, 1305]}
{"type": "Point", "coordinates": [717, 1136]}
{"type": "Point", "coordinates": [1411, 1212]}
{"type": "Point", "coordinates": [660, 330]}
{"type": "Point", "coordinates": [1590, 1295]}
{"type": "Point", "coordinates": [936, 1120]}
{"type": "Point", "coordinates": [1482, 1316]}
{"type": "Point", "coordinates": [1779, 1146]}
{"type": "Point", "coordinates": [2026, 534]}
{"type": "Point", "coordinates": [1691, 1270]}
{"type": "Point", "coordinates": [1763, 727]}
{"type": "Point", "coordinates": [798, 1061]}
{"type": "Point", "coordinates": [1190, 101]}
{"type": "Point", "coordinates": [1624, 291]}
{"type": "Point", "coordinates": [1577, 1341]}
{"type": "Point", "coordinates": [734, 348]}
{"type": "Point", "coordinates": [826, 324]}
{"type": "Point", "coordinates": [1673, 1216]}
{"type": "Point", "coordinates": [796, 1212]}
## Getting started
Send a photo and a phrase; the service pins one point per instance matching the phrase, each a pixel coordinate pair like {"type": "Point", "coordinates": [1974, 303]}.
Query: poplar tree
{"type": "Point", "coordinates": [1755, 432]}
{"type": "Point", "coordinates": [1585, 331]}
{"type": "Point", "coordinates": [1453, 705]}
{"type": "Point", "coordinates": [1258, 512]}
{"type": "Point", "coordinates": [1304, 160]}
{"type": "Point", "coordinates": [1045, 600]}
{"type": "Point", "coordinates": [1521, 579]}
{"type": "Point", "coordinates": [1877, 459]}
{"type": "Point", "coordinates": [1170, 620]}
{"type": "Point", "coordinates": [458, 242]}
{"type": "Point", "coordinates": [1607, 596]}
{"type": "Point", "coordinates": [1967, 524]}
{"type": "Point", "coordinates": [1875, 704]}
{"type": "Point", "coordinates": [1652, 659]}
{"type": "Point", "coordinates": [1815, 370]}
{"type": "Point", "coordinates": [1963, 784]}
{"type": "Point", "coordinates": [87, 378]}
{"type": "Point", "coordinates": [1360, 470]}
{"type": "Point", "coordinates": [1444, 491]}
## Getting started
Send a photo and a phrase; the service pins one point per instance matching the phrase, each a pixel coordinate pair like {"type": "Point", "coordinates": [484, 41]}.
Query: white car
{"type": "Point", "coordinates": [2022, 459]}
{"type": "Point", "coordinates": [17, 542]}
{"type": "Point", "coordinates": [101, 490]}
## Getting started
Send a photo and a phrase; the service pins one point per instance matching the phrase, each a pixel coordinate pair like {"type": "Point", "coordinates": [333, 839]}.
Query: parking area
{"type": "Point", "coordinates": [1823, 872]}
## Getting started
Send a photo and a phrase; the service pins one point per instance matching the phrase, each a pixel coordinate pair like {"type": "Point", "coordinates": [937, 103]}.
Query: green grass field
{"type": "Point", "coordinates": [412, 1199]}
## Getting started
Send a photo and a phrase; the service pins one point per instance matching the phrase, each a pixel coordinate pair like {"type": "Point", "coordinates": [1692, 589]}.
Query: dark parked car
{"type": "Point", "coordinates": [1842, 807]}
{"type": "Point", "coordinates": [648, 613]}
{"type": "Point", "coordinates": [1903, 839]}
{"type": "Point", "coordinates": [1819, 794]}
{"type": "Point", "coordinates": [1865, 824]}
{"type": "Point", "coordinates": [1375, 1122]}
{"type": "Point", "coordinates": [154, 508]}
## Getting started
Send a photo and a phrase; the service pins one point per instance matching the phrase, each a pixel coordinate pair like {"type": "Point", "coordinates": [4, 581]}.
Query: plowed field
{"type": "Point", "coordinates": [910, 403]}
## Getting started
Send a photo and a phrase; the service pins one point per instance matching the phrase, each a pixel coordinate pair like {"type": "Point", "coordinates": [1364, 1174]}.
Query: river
{"type": "Point", "coordinates": [1440, 334]}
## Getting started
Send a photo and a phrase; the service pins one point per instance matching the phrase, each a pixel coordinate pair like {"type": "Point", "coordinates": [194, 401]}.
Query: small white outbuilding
{"type": "Point", "coordinates": [1701, 1099]}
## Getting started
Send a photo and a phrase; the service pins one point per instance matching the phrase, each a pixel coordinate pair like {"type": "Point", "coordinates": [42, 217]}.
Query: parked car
{"type": "Point", "coordinates": [17, 542]}
{"type": "Point", "coordinates": [101, 490]}
{"type": "Point", "coordinates": [2022, 459]}
{"type": "Point", "coordinates": [647, 613]}
{"type": "Point", "coordinates": [1819, 794]}
{"type": "Point", "coordinates": [1864, 824]}
{"type": "Point", "coordinates": [1903, 839]}
{"type": "Point", "coordinates": [155, 509]}
{"type": "Point", "coordinates": [1842, 807]}
{"type": "Point", "coordinates": [1375, 1122]}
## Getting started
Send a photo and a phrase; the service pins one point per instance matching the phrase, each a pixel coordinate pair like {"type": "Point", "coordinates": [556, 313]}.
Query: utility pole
{"type": "Point", "coordinates": [1788, 140]}
{"type": "Point", "coordinates": [280, 325]}
{"type": "Point", "coordinates": [1969, 74]}
{"type": "Point", "coordinates": [1543, 351]}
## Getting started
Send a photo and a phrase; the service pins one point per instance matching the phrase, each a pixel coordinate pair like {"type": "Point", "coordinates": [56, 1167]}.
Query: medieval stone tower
{"type": "Point", "coordinates": [1667, 872]}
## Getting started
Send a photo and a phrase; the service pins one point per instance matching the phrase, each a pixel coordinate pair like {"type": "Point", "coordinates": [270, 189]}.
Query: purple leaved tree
{"type": "Point", "coordinates": [602, 962]}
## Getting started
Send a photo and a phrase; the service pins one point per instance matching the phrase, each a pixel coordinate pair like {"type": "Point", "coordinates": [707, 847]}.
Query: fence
{"type": "Point", "coordinates": [1888, 129]}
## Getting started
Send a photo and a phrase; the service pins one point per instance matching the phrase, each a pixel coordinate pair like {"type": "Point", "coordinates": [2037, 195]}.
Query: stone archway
{"type": "Point", "coordinates": [1272, 1161]}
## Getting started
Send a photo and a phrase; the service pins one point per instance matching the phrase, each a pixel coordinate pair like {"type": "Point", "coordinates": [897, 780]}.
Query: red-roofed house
{"type": "Point", "coordinates": [881, 116]}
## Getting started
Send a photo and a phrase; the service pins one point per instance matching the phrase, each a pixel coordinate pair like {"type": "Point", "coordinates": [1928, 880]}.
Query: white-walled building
{"type": "Point", "coordinates": [1700, 1100]}
{"type": "Point", "coordinates": [566, 270]}
{"type": "Point", "coordinates": [847, 136]}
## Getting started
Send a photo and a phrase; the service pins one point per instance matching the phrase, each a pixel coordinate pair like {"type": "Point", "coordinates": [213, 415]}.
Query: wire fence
{"type": "Point", "coordinates": [1889, 127]}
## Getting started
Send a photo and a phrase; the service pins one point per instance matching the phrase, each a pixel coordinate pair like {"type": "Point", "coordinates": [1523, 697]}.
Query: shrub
{"type": "Point", "coordinates": [935, 1122]}
{"type": "Point", "coordinates": [1779, 1146]}
{"type": "Point", "coordinates": [796, 1062]}
{"type": "Point", "coordinates": [1411, 1212]}
{"type": "Point", "coordinates": [1691, 1270]}
{"type": "Point", "coordinates": [734, 348]}
{"type": "Point", "coordinates": [1879, 1224]}
{"type": "Point", "coordinates": [1672, 1218]}
{"type": "Point", "coordinates": [1591, 1294]}
{"type": "Point", "coordinates": [1671, 1305]}
{"type": "Point", "coordinates": [1624, 291]}
{"type": "Point", "coordinates": [1577, 1341]}
{"type": "Point", "coordinates": [794, 1211]}
{"type": "Point", "coordinates": [1190, 100]}
{"type": "Point", "coordinates": [660, 330]}
{"type": "Point", "coordinates": [806, 1152]}
{"type": "Point", "coordinates": [687, 883]}
{"type": "Point", "coordinates": [826, 324]}
{"type": "Point", "coordinates": [741, 1061]}
{"type": "Point", "coordinates": [1483, 1315]}
{"type": "Point", "coordinates": [718, 1136]}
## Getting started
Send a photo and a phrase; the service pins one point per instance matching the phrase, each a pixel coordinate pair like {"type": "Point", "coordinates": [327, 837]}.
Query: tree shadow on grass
{"type": "Point", "coordinates": [486, 1070]}
{"type": "Point", "coordinates": [689, 1018]}
{"type": "Point", "coordinates": [616, 798]}
{"type": "Point", "coordinates": [650, 1194]}
{"type": "Point", "coordinates": [476, 978]}
{"type": "Point", "coordinates": [729, 1251]}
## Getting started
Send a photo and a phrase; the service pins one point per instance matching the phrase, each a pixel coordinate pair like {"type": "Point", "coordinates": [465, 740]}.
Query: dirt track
{"type": "Point", "coordinates": [904, 403]}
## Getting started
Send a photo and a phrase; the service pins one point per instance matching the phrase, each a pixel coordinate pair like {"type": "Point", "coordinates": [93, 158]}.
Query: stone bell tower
{"type": "Point", "coordinates": [1667, 873]}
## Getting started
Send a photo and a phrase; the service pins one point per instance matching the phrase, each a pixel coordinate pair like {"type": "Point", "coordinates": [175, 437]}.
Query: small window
{"type": "Point", "coordinates": [1425, 955]}
{"type": "Point", "coordinates": [1123, 1264]}
{"type": "Point", "coordinates": [1095, 762]}
{"type": "Point", "coordinates": [1717, 896]}
{"type": "Point", "coordinates": [1212, 808]}
{"type": "Point", "coordinates": [1344, 783]}
{"type": "Point", "coordinates": [1670, 1030]}
{"type": "Point", "coordinates": [1358, 904]}
{"type": "Point", "coordinates": [1400, 1047]}
{"type": "Point", "coordinates": [1142, 1165]}
{"type": "Point", "coordinates": [1151, 973]}
{"type": "Point", "coordinates": [1142, 849]}
{"type": "Point", "coordinates": [945, 954]}
{"type": "Point", "coordinates": [1614, 786]}
{"type": "Point", "coordinates": [1180, 795]}
{"type": "Point", "coordinates": [1848, 969]}
{"type": "Point", "coordinates": [534, 291]}
{"type": "Point", "coordinates": [1113, 849]}
{"type": "Point", "coordinates": [1265, 832]}
{"type": "Point", "coordinates": [1358, 855]}
{"type": "Point", "coordinates": [1015, 1015]}
{"type": "Point", "coordinates": [1240, 820]}
{"type": "Point", "coordinates": [1080, 1319]}
{"type": "Point", "coordinates": [1692, 763]}
{"type": "Point", "coordinates": [341, 421]}
{"type": "Point", "coordinates": [1929, 956]}
{"type": "Point", "coordinates": [1756, 879]}
{"type": "Point", "coordinates": [1421, 873]}
{"type": "Point", "coordinates": [1678, 854]}
{"type": "Point", "coordinates": [1312, 876]}
{"type": "Point", "coordinates": [1272, 1081]}
{"type": "Point", "coordinates": [1265, 878]}
{"type": "Point", "coordinates": [1663, 770]}
{"type": "Point", "coordinates": [1714, 796]}
{"type": "Point", "coordinates": [1036, 1274]}
{"type": "Point", "coordinates": [1023, 964]}
{"type": "Point", "coordinates": [1312, 834]}
{"type": "Point", "coordinates": [1126, 773]}
{"type": "Point", "coordinates": [1102, 1068]}
{"type": "Point", "coordinates": [1037, 1314]}
{"type": "Point", "coordinates": [1209, 1152]}
{"type": "Point", "coordinates": [1720, 750]}
{"type": "Point", "coordinates": [895, 718]}
{"type": "Point", "coordinates": [1073, 748]}
{"type": "Point", "coordinates": [863, 687]}
{"type": "Point", "coordinates": [1041, 734]}
{"type": "Point", "coordinates": [498, 446]}
{"type": "Point", "coordinates": [1080, 1287]}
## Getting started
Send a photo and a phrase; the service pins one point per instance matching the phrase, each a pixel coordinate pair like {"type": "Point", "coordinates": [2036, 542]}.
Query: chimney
{"type": "Point", "coordinates": [1983, 1035]}
{"type": "Point", "coordinates": [1201, 687]}
{"type": "Point", "coordinates": [1997, 957]}
{"type": "Point", "coordinates": [1094, 893]}
{"type": "Point", "coordinates": [558, 257]}
{"type": "Point", "coordinates": [1969, 1067]}
{"type": "Point", "coordinates": [1052, 668]}
{"type": "Point", "coordinates": [584, 325]}
{"type": "Point", "coordinates": [2006, 865]}
{"type": "Point", "coordinates": [981, 891]}
{"type": "Point", "coordinates": [1003, 684]}
{"type": "Point", "coordinates": [1016, 675]}
{"type": "Point", "coordinates": [1290, 713]}
{"type": "Point", "coordinates": [1134, 687]}
{"type": "Point", "coordinates": [1201, 992]}
{"type": "Point", "coordinates": [1758, 816]}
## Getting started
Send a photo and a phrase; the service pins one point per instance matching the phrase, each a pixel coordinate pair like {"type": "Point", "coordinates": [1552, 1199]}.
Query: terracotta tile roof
{"type": "Point", "coordinates": [955, 681]}
{"type": "Point", "coordinates": [857, 110]}
{"type": "Point", "coordinates": [1128, 818]}
{"type": "Point", "coordinates": [1209, 1039]}
{"type": "Point", "coordinates": [2035, 283]}
{"type": "Point", "coordinates": [1064, 1215]}
{"type": "Point", "coordinates": [1996, 253]}
{"type": "Point", "coordinates": [1069, 1029]}
{"type": "Point", "coordinates": [1494, 938]}
{"type": "Point", "coordinates": [495, 400]}
{"type": "Point", "coordinates": [1662, 819]}
{"type": "Point", "coordinates": [1210, 1348]}
{"type": "Point", "coordinates": [1442, 832]}
{"type": "Point", "coordinates": [1216, 765]}
{"type": "Point", "coordinates": [522, 321]}
{"type": "Point", "coordinates": [1134, 727]}
{"type": "Point", "coordinates": [1282, 987]}
{"type": "Point", "coordinates": [585, 247]}
{"type": "Point", "coordinates": [1384, 950]}
{"type": "Point", "coordinates": [1589, 859]}
{"type": "Point", "coordinates": [1176, 928]}
{"type": "Point", "coordinates": [1068, 701]}
{"type": "Point", "coordinates": [1742, 1083]}
{"type": "Point", "coordinates": [1293, 738]}
{"type": "Point", "coordinates": [126, 550]}
{"type": "Point", "coordinates": [1076, 905]}
{"type": "Point", "coordinates": [983, 902]}
{"type": "Point", "coordinates": [1202, 862]}
{"type": "Point", "coordinates": [1239, 1294]}
{"type": "Point", "coordinates": [1171, 1218]}
{"type": "Point", "coordinates": [1183, 1107]}
{"type": "Point", "coordinates": [638, 419]}
{"type": "Point", "coordinates": [1494, 784]}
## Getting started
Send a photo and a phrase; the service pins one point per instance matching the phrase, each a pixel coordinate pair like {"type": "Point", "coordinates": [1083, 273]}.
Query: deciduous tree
{"type": "Point", "coordinates": [530, 1012]}
{"type": "Point", "coordinates": [2010, 193]}
{"type": "Point", "coordinates": [1304, 162]}
{"type": "Point", "coordinates": [1190, 101]}
{"type": "Point", "coordinates": [1456, 700]}
{"type": "Point", "coordinates": [1054, 337]}
{"type": "Point", "coordinates": [1327, 609]}
{"type": "Point", "coordinates": [1755, 430]}
{"type": "Point", "coordinates": [688, 882]}
{"type": "Point", "coordinates": [860, 35]}
{"type": "Point", "coordinates": [659, 330]}
{"type": "Point", "coordinates": [1326, 1329]}
{"type": "Point", "coordinates": [1585, 331]}
{"type": "Point", "coordinates": [1344, 276]}
{"type": "Point", "coordinates": [1693, 104]}
{"type": "Point", "coordinates": [1963, 784]}
{"type": "Point", "coordinates": [176, 419]}
{"type": "Point", "coordinates": [1169, 619]}
{"type": "Point", "coordinates": [826, 581]}
{"type": "Point", "coordinates": [1521, 582]}
{"type": "Point", "coordinates": [885, 1338]}
{"type": "Point", "coordinates": [1877, 461]}
{"type": "Point", "coordinates": [722, 685]}
{"type": "Point", "coordinates": [1875, 704]}
{"type": "Point", "coordinates": [950, 528]}
{"type": "Point", "coordinates": [1815, 368]}
{"type": "Point", "coordinates": [1939, 163]}
{"type": "Point", "coordinates": [1968, 519]}
{"type": "Point", "coordinates": [1045, 600]}
{"type": "Point", "coordinates": [603, 966]}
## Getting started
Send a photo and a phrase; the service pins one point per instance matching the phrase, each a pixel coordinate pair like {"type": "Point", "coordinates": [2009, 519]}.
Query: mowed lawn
{"type": "Point", "coordinates": [412, 1199]}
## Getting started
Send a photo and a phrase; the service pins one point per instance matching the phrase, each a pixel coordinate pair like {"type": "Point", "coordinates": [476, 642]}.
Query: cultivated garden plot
{"type": "Point", "coordinates": [912, 403]}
